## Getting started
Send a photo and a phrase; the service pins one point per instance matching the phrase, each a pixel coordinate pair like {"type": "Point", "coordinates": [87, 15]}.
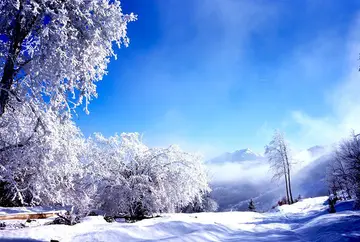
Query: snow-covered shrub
{"type": "Point", "coordinates": [299, 198]}
{"type": "Point", "coordinates": [201, 204]}
{"type": "Point", "coordinates": [67, 218]}
{"type": "Point", "coordinates": [282, 201]}
{"type": "Point", "coordinates": [133, 179]}
{"type": "Point", "coordinates": [210, 205]}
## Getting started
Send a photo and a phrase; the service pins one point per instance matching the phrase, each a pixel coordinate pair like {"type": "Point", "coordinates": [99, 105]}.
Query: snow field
{"type": "Point", "coordinates": [307, 220]}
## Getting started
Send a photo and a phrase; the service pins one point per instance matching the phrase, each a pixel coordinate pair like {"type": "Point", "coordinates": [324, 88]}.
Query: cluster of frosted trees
{"type": "Point", "coordinates": [52, 53]}
{"type": "Point", "coordinates": [119, 174]}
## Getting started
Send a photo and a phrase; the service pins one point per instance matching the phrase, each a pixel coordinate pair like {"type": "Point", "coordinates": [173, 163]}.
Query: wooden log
{"type": "Point", "coordinates": [25, 216]}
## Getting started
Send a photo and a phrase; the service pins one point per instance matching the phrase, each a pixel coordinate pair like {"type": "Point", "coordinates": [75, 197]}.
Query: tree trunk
{"type": "Point", "coordinates": [289, 184]}
{"type": "Point", "coordinates": [286, 179]}
{"type": "Point", "coordinates": [6, 82]}
{"type": "Point", "coordinates": [287, 165]}
{"type": "Point", "coordinates": [284, 163]}
{"type": "Point", "coordinates": [17, 37]}
{"type": "Point", "coordinates": [287, 188]}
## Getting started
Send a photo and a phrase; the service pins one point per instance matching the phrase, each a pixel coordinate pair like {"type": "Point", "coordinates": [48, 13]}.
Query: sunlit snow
{"type": "Point", "coordinates": [307, 220]}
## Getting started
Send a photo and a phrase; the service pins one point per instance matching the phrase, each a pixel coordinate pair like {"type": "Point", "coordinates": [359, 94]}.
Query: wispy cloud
{"type": "Point", "coordinates": [343, 101]}
{"type": "Point", "coordinates": [215, 67]}
{"type": "Point", "coordinates": [213, 36]}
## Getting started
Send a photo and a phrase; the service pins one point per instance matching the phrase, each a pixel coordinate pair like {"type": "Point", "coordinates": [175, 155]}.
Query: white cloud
{"type": "Point", "coordinates": [343, 99]}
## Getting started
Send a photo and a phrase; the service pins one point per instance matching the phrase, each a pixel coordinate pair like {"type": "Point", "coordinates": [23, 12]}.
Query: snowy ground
{"type": "Point", "coordinates": [307, 220]}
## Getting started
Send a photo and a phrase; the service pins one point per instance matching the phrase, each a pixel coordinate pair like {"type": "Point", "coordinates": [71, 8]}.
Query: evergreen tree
{"type": "Point", "coordinates": [251, 206]}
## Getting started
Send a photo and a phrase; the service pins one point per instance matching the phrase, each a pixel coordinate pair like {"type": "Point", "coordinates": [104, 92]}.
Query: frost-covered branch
{"type": "Point", "coordinates": [56, 48]}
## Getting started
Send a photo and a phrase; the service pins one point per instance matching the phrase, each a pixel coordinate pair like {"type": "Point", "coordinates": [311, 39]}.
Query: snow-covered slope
{"type": "Point", "coordinates": [311, 180]}
{"type": "Point", "coordinates": [307, 220]}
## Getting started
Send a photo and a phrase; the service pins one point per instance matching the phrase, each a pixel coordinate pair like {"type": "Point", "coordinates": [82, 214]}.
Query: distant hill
{"type": "Point", "coordinates": [317, 150]}
{"type": "Point", "coordinates": [237, 156]}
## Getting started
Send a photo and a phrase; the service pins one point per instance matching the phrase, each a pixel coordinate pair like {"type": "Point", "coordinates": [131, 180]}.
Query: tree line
{"type": "Point", "coordinates": [117, 174]}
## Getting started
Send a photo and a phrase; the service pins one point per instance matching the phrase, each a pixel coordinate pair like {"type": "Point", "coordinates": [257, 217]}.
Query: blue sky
{"type": "Point", "coordinates": [220, 75]}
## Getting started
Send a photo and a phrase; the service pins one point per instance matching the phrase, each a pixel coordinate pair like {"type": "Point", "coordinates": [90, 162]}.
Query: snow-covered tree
{"type": "Point", "coordinates": [39, 162]}
{"type": "Point", "coordinates": [279, 156]}
{"type": "Point", "coordinates": [344, 172]}
{"type": "Point", "coordinates": [337, 179]}
{"type": "Point", "coordinates": [54, 51]}
{"type": "Point", "coordinates": [136, 180]}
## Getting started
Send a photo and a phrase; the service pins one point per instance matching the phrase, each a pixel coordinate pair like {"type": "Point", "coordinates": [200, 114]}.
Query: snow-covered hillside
{"type": "Point", "coordinates": [307, 220]}
{"type": "Point", "coordinates": [308, 182]}
{"type": "Point", "coordinates": [235, 183]}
